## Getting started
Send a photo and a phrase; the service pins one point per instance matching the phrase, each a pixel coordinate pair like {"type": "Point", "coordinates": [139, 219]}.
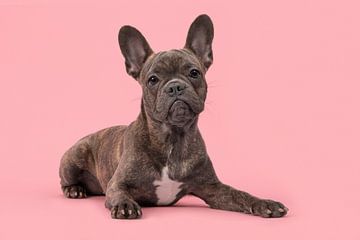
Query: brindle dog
{"type": "Point", "coordinates": [161, 156]}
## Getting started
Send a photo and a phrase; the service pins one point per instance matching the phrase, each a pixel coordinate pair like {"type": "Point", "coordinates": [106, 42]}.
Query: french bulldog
{"type": "Point", "coordinates": [161, 156]}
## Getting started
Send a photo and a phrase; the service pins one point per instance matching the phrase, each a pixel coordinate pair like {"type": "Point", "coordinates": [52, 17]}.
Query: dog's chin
{"type": "Point", "coordinates": [180, 114]}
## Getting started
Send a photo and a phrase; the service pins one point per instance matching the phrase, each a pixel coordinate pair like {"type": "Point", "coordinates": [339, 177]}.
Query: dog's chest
{"type": "Point", "coordinates": [166, 188]}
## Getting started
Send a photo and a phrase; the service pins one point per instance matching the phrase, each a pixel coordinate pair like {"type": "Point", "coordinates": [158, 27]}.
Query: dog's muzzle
{"type": "Point", "coordinates": [180, 113]}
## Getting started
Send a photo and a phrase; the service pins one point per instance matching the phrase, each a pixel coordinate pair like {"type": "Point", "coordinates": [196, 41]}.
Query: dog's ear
{"type": "Point", "coordinates": [135, 49]}
{"type": "Point", "coordinates": [199, 39]}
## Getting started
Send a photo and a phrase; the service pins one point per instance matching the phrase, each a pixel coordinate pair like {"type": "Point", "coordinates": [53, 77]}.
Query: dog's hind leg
{"type": "Point", "coordinates": [75, 171]}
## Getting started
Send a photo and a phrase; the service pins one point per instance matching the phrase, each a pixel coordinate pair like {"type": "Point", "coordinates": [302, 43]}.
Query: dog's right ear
{"type": "Point", "coordinates": [135, 49]}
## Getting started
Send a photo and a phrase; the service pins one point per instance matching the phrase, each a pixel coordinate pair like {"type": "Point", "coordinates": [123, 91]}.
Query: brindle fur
{"type": "Point", "coordinates": [122, 162]}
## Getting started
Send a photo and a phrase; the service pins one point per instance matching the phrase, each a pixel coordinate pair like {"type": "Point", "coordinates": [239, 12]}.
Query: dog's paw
{"type": "Point", "coordinates": [126, 209]}
{"type": "Point", "coordinates": [268, 209]}
{"type": "Point", "coordinates": [74, 191]}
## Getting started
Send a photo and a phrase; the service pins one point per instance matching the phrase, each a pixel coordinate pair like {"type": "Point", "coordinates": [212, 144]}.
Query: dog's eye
{"type": "Point", "coordinates": [194, 73]}
{"type": "Point", "coordinates": [152, 80]}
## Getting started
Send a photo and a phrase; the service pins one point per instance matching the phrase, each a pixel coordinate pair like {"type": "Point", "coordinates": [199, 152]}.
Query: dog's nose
{"type": "Point", "coordinates": [175, 89]}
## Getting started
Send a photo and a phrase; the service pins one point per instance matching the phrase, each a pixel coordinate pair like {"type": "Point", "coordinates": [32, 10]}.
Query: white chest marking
{"type": "Point", "coordinates": [166, 189]}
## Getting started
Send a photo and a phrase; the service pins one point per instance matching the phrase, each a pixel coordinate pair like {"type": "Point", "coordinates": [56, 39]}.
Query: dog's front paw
{"type": "Point", "coordinates": [126, 209]}
{"type": "Point", "coordinates": [268, 209]}
{"type": "Point", "coordinates": [74, 191]}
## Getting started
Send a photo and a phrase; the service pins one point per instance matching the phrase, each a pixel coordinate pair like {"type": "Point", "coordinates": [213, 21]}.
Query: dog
{"type": "Point", "coordinates": [161, 156]}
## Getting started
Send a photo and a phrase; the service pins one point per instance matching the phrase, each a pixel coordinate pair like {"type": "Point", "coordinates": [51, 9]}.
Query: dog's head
{"type": "Point", "coordinates": [173, 82]}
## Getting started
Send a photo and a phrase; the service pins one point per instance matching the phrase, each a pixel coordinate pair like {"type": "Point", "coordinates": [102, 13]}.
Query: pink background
{"type": "Point", "coordinates": [282, 118]}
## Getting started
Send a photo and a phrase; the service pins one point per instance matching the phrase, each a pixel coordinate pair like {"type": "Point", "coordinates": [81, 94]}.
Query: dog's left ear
{"type": "Point", "coordinates": [135, 49]}
{"type": "Point", "coordinates": [199, 39]}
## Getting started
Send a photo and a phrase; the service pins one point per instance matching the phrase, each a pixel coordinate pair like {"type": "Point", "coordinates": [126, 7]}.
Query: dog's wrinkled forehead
{"type": "Point", "coordinates": [170, 63]}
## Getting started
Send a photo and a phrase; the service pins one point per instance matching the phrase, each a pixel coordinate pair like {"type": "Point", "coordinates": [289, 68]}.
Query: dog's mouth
{"type": "Point", "coordinates": [180, 113]}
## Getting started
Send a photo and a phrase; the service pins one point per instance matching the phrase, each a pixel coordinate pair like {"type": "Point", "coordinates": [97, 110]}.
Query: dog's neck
{"type": "Point", "coordinates": [160, 134]}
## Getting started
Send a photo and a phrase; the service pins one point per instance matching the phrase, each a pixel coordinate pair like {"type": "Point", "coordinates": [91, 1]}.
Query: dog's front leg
{"type": "Point", "coordinates": [120, 202]}
{"type": "Point", "coordinates": [221, 196]}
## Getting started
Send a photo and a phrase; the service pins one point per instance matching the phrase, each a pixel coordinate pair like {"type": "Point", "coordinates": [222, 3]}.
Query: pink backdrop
{"type": "Point", "coordinates": [282, 118]}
